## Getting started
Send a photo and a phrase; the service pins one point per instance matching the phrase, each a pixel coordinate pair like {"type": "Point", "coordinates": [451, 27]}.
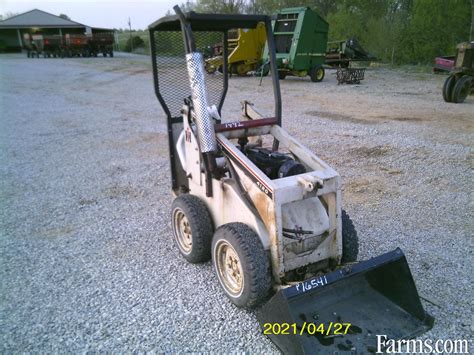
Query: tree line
{"type": "Point", "coordinates": [395, 31]}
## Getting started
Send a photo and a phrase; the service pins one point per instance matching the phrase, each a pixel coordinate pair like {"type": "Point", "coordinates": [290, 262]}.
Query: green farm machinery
{"type": "Point", "coordinates": [460, 82]}
{"type": "Point", "coordinates": [342, 53]}
{"type": "Point", "coordinates": [301, 37]}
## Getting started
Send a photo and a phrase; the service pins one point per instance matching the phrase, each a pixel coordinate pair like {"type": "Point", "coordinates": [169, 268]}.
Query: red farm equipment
{"type": "Point", "coordinates": [69, 45]}
{"type": "Point", "coordinates": [443, 64]}
{"type": "Point", "coordinates": [101, 43]}
{"type": "Point", "coordinates": [53, 46]}
{"type": "Point", "coordinates": [77, 45]}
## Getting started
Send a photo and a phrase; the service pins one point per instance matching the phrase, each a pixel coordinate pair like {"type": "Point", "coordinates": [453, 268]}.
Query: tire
{"type": "Point", "coordinates": [281, 75]}
{"type": "Point", "coordinates": [317, 74]}
{"type": "Point", "coordinates": [210, 69]}
{"type": "Point", "coordinates": [250, 282]}
{"type": "Point", "coordinates": [192, 228]}
{"type": "Point", "coordinates": [111, 54]}
{"type": "Point", "coordinates": [350, 239]}
{"type": "Point", "coordinates": [461, 89]}
{"type": "Point", "coordinates": [448, 87]}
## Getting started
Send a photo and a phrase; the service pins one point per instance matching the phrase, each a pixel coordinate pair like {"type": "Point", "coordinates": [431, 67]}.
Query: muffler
{"type": "Point", "coordinates": [344, 311]}
{"type": "Point", "coordinates": [204, 124]}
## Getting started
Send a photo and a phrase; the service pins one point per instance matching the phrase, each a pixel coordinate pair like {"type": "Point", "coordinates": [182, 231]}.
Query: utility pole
{"type": "Point", "coordinates": [131, 41]}
{"type": "Point", "coordinates": [471, 33]}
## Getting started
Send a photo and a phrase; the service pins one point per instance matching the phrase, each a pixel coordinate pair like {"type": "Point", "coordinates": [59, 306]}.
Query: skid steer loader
{"type": "Point", "coordinates": [265, 209]}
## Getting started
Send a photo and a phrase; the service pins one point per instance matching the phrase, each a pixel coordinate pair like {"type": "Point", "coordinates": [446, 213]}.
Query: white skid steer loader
{"type": "Point", "coordinates": [269, 217]}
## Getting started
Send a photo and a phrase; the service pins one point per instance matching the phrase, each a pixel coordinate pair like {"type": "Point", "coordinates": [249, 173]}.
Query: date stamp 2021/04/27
{"type": "Point", "coordinates": [306, 328]}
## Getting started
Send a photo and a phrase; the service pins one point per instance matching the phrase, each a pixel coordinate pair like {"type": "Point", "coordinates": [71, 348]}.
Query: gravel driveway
{"type": "Point", "coordinates": [87, 257]}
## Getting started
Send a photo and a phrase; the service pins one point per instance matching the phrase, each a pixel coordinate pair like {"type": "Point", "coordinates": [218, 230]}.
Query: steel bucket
{"type": "Point", "coordinates": [376, 297]}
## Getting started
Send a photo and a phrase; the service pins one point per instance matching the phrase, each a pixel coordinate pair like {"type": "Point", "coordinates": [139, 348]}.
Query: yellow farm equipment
{"type": "Point", "coordinates": [245, 47]}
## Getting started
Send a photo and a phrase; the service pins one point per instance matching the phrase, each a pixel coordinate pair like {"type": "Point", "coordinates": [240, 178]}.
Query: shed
{"type": "Point", "coordinates": [38, 21]}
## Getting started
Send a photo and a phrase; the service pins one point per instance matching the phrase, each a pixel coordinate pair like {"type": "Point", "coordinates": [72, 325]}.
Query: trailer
{"type": "Point", "coordinates": [301, 37]}
{"type": "Point", "coordinates": [102, 42]}
{"type": "Point", "coordinates": [53, 46]}
{"type": "Point", "coordinates": [77, 45]}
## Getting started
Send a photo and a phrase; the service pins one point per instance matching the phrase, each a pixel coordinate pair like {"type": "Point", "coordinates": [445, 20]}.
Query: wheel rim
{"type": "Point", "coordinates": [319, 74]}
{"type": "Point", "coordinates": [182, 230]}
{"type": "Point", "coordinates": [241, 69]}
{"type": "Point", "coordinates": [229, 268]}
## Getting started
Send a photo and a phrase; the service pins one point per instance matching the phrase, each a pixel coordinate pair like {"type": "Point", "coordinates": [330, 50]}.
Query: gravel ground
{"type": "Point", "coordinates": [87, 257]}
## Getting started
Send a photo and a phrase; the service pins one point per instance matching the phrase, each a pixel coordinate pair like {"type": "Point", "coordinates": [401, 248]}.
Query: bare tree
{"type": "Point", "coordinates": [7, 15]}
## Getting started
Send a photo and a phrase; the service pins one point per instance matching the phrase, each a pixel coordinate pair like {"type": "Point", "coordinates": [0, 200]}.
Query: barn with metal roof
{"type": "Point", "coordinates": [35, 21]}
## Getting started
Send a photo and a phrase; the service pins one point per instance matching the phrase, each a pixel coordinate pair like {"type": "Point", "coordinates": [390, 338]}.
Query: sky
{"type": "Point", "coordinates": [97, 13]}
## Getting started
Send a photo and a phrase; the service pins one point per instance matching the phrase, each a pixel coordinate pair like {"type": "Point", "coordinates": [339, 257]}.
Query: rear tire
{"type": "Point", "coordinates": [317, 74]}
{"type": "Point", "coordinates": [241, 264]}
{"type": "Point", "coordinates": [350, 239]}
{"type": "Point", "coordinates": [448, 87]}
{"type": "Point", "coordinates": [192, 228]}
{"type": "Point", "coordinates": [461, 89]}
{"type": "Point", "coordinates": [281, 75]}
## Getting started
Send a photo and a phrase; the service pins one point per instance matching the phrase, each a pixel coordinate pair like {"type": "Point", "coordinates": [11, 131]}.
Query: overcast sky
{"type": "Point", "coordinates": [97, 13]}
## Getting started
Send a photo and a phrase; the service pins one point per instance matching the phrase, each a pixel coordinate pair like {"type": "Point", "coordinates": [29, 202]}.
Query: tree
{"type": "Point", "coordinates": [7, 15]}
{"type": "Point", "coordinates": [221, 6]}
{"type": "Point", "coordinates": [134, 42]}
{"type": "Point", "coordinates": [435, 30]}
{"type": "Point", "coordinates": [66, 17]}
{"type": "Point", "coordinates": [396, 31]}
{"type": "Point", "coordinates": [471, 32]}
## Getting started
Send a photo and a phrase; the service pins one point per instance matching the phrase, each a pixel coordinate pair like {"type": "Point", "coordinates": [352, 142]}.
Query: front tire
{"type": "Point", "coordinates": [241, 264]}
{"type": "Point", "coordinates": [448, 87]}
{"type": "Point", "coordinates": [350, 239]}
{"type": "Point", "coordinates": [317, 74]}
{"type": "Point", "coordinates": [192, 228]}
{"type": "Point", "coordinates": [461, 89]}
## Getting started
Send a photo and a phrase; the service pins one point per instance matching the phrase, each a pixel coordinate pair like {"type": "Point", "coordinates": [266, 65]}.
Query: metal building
{"type": "Point", "coordinates": [38, 21]}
